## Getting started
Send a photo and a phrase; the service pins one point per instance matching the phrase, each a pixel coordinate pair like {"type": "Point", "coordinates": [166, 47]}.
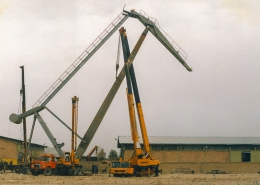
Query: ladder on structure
{"type": "Point", "coordinates": [81, 60]}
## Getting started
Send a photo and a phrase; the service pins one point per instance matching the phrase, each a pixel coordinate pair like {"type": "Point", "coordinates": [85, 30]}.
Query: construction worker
{"type": "Point", "coordinates": [96, 169]}
{"type": "Point", "coordinates": [93, 168]}
{"type": "Point", "coordinates": [20, 156]}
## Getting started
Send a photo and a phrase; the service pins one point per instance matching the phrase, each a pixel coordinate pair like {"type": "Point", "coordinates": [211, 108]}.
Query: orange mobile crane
{"type": "Point", "coordinates": [70, 165]}
{"type": "Point", "coordinates": [66, 165]}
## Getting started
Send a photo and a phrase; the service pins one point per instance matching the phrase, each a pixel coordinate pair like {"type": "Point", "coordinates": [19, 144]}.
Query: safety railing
{"type": "Point", "coordinates": [172, 42]}
{"type": "Point", "coordinates": [79, 61]}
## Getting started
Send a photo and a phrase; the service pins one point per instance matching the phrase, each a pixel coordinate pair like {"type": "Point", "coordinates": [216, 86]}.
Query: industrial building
{"type": "Point", "coordinates": [197, 149]}
{"type": "Point", "coordinates": [9, 148]}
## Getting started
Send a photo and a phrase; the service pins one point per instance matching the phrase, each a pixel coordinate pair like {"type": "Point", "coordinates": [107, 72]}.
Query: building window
{"type": "Point", "coordinates": [246, 156]}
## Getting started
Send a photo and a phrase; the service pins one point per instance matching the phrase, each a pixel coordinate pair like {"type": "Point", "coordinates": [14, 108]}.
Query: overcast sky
{"type": "Point", "coordinates": [221, 97]}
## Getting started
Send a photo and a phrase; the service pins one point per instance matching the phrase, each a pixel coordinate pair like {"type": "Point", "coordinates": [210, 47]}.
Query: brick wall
{"type": "Point", "coordinates": [36, 151]}
{"type": "Point", "coordinates": [198, 168]}
{"type": "Point", "coordinates": [187, 156]}
{"type": "Point", "coordinates": [8, 148]}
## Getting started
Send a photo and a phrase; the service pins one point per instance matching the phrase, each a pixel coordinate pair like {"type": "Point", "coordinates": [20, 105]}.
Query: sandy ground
{"type": "Point", "coordinates": [205, 179]}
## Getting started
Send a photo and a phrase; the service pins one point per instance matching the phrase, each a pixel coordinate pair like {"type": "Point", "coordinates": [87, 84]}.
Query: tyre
{"type": "Point", "coordinates": [48, 171]}
{"type": "Point", "coordinates": [78, 171]}
{"type": "Point", "coordinates": [17, 169]}
{"type": "Point", "coordinates": [71, 172]}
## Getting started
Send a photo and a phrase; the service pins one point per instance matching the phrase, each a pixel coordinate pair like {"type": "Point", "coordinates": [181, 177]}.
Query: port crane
{"type": "Point", "coordinates": [151, 24]}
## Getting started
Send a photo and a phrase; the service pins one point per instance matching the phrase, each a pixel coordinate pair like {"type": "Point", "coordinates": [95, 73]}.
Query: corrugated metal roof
{"type": "Point", "coordinates": [182, 140]}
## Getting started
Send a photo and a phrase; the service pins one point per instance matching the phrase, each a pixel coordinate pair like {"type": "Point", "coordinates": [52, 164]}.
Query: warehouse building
{"type": "Point", "coordinates": [9, 148]}
{"type": "Point", "coordinates": [197, 149]}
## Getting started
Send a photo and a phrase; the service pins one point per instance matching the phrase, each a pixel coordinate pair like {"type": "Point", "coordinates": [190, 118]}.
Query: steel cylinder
{"type": "Point", "coordinates": [15, 118]}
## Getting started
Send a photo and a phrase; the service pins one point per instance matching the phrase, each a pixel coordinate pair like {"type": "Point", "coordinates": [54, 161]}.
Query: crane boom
{"type": "Point", "coordinates": [74, 125]}
{"type": "Point", "coordinates": [91, 152]}
{"type": "Point", "coordinates": [129, 93]}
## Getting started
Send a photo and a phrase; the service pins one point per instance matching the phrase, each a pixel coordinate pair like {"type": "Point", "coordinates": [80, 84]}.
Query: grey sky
{"type": "Point", "coordinates": [219, 98]}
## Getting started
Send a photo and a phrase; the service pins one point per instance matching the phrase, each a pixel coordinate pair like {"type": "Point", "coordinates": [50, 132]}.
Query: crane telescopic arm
{"type": "Point", "coordinates": [129, 92]}
{"type": "Point", "coordinates": [132, 84]}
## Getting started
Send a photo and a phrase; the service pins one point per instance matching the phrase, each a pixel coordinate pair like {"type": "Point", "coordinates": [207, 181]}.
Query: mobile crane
{"type": "Point", "coordinates": [70, 165]}
{"type": "Point", "coordinates": [151, 24]}
{"type": "Point", "coordinates": [67, 165]}
{"type": "Point", "coordinates": [140, 163]}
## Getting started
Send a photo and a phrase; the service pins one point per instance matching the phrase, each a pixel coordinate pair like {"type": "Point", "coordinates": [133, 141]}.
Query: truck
{"type": "Point", "coordinates": [121, 168]}
{"type": "Point", "coordinates": [49, 164]}
{"type": "Point", "coordinates": [46, 165]}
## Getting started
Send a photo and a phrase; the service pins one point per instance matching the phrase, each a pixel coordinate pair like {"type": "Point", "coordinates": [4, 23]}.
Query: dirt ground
{"type": "Point", "coordinates": [205, 179]}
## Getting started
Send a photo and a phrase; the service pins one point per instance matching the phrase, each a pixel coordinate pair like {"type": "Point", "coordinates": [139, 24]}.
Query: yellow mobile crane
{"type": "Point", "coordinates": [70, 165]}
{"type": "Point", "coordinates": [141, 163]}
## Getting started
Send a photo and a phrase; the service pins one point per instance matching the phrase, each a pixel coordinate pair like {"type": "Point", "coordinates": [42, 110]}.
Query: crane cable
{"type": "Point", "coordinates": [118, 55]}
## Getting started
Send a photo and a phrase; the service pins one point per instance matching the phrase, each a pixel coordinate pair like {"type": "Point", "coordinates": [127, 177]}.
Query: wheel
{"type": "Point", "coordinates": [135, 173]}
{"type": "Point", "coordinates": [17, 169]}
{"type": "Point", "coordinates": [47, 171]}
{"type": "Point", "coordinates": [71, 172]}
{"type": "Point", "coordinates": [78, 171]}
